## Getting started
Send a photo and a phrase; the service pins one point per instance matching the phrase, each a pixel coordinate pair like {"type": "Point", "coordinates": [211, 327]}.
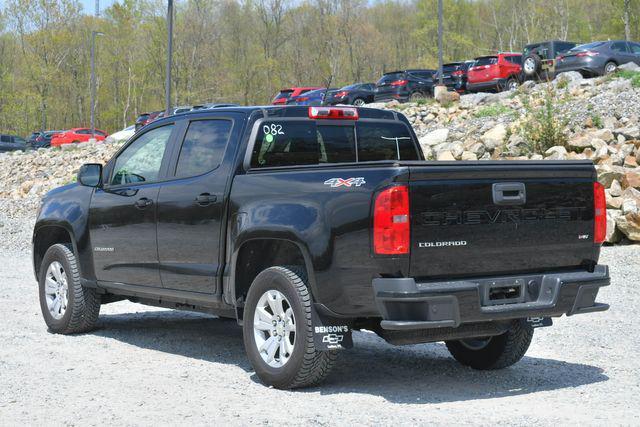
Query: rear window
{"type": "Point", "coordinates": [514, 59]}
{"type": "Point", "coordinates": [305, 142]}
{"type": "Point", "coordinates": [391, 77]}
{"type": "Point", "coordinates": [487, 60]}
{"type": "Point", "coordinates": [284, 94]}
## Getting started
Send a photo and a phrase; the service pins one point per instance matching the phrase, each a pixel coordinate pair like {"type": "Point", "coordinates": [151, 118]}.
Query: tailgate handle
{"type": "Point", "coordinates": [509, 193]}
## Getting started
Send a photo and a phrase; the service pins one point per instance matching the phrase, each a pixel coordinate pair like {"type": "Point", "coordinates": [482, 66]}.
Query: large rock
{"type": "Point", "coordinates": [494, 137]}
{"type": "Point", "coordinates": [631, 179]}
{"type": "Point", "coordinates": [445, 155]}
{"type": "Point", "coordinates": [629, 66]}
{"type": "Point", "coordinates": [435, 137]}
{"type": "Point", "coordinates": [604, 134]}
{"type": "Point", "coordinates": [613, 234]}
{"type": "Point", "coordinates": [629, 132]}
{"type": "Point", "coordinates": [607, 173]}
{"type": "Point", "coordinates": [447, 97]}
{"type": "Point", "coordinates": [629, 225]}
{"type": "Point", "coordinates": [557, 152]}
{"type": "Point", "coordinates": [568, 77]}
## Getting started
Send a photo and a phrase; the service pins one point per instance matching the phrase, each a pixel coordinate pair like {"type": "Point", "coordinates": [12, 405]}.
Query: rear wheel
{"type": "Point", "coordinates": [512, 84]}
{"type": "Point", "coordinates": [497, 352]}
{"type": "Point", "coordinates": [358, 102]}
{"type": "Point", "coordinates": [610, 67]}
{"type": "Point", "coordinates": [417, 96]}
{"type": "Point", "coordinates": [67, 306]}
{"type": "Point", "coordinates": [277, 329]}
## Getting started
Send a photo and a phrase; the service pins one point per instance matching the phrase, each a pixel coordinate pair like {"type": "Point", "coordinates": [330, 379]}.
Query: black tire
{"type": "Point", "coordinates": [532, 65]}
{"type": "Point", "coordinates": [496, 352]}
{"type": "Point", "coordinates": [610, 67]}
{"type": "Point", "coordinates": [83, 306]}
{"type": "Point", "coordinates": [306, 365]}
{"type": "Point", "coordinates": [417, 96]}
{"type": "Point", "coordinates": [511, 84]}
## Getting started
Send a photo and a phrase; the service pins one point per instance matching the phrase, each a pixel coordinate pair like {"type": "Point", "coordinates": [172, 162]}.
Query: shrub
{"type": "Point", "coordinates": [634, 76]}
{"type": "Point", "coordinates": [542, 127]}
{"type": "Point", "coordinates": [596, 119]}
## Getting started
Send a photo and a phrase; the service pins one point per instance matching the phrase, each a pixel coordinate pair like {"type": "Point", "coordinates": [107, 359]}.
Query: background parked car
{"type": "Point", "coordinates": [76, 135]}
{"type": "Point", "coordinates": [12, 143]}
{"type": "Point", "coordinates": [447, 74]}
{"type": "Point", "coordinates": [460, 76]}
{"type": "Point", "coordinates": [122, 135]}
{"type": "Point", "coordinates": [356, 94]}
{"type": "Point", "coordinates": [408, 85]}
{"type": "Point", "coordinates": [41, 139]}
{"type": "Point", "coordinates": [539, 59]}
{"type": "Point", "coordinates": [495, 73]}
{"type": "Point", "coordinates": [146, 118]}
{"type": "Point", "coordinates": [212, 105]}
{"type": "Point", "coordinates": [313, 97]}
{"type": "Point", "coordinates": [599, 58]}
{"type": "Point", "coordinates": [285, 94]}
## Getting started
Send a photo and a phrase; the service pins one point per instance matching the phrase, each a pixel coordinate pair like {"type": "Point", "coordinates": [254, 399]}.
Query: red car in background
{"type": "Point", "coordinates": [495, 73]}
{"type": "Point", "coordinates": [76, 135]}
{"type": "Point", "coordinates": [284, 95]}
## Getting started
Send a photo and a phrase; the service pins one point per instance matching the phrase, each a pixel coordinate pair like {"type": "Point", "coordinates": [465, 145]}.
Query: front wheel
{"type": "Point", "coordinates": [493, 352]}
{"type": "Point", "coordinates": [278, 334]}
{"type": "Point", "coordinates": [67, 306]}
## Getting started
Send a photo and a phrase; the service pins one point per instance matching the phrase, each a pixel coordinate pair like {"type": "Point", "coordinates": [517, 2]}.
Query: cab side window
{"type": "Point", "coordinates": [203, 147]}
{"type": "Point", "coordinates": [141, 160]}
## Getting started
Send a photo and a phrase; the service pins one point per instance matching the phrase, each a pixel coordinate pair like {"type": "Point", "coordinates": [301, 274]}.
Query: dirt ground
{"type": "Point", "coordinates": [147, 366]}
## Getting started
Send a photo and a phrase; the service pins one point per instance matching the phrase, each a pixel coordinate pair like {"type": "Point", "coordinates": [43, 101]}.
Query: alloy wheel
{"type": "Point", "coordinates": [274, 328]}
{"type": "Point", "coordinates": [56, 290]}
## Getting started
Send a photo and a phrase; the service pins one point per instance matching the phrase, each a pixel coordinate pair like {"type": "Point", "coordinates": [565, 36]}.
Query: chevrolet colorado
{"type": "Point", "coordinates": [305, 223]}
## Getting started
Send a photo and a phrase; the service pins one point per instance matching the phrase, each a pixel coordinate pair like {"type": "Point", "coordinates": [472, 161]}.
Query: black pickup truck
{"type": "Point", "coordinates": [306, 223]}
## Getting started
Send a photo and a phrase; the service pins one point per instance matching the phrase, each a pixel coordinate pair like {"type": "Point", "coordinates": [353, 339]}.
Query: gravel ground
{"type": "Point", "coordinates": [146, 366]}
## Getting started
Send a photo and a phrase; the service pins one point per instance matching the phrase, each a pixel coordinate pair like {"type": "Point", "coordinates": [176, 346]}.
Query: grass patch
{"type": "Point", "coordinates": [597, 121]}
{"type": "Point", "coordinates": [493, 111]}
{"type": "Point", "coordinates": [542, 127]}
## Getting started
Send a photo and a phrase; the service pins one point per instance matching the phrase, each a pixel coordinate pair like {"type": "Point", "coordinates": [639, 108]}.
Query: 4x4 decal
{"type": "Point", "coordinates": [349, 182]}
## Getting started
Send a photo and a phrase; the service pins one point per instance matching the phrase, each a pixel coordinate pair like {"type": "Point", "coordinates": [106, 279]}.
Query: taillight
{"type": "Point", "coordinates": [341, 94]}
{"type": "Point", "coordinates": [399, 82]}
{"type": "Point", "coordinates": [391, 228]}
{"type": "Point", "coordinates": [302, 99]}
{"type": "Point", "coordinates": [457, 73]}
{"type": "Point", "coordinates": [587, 53]}
{"type": "Point", "coordinates": [336, 113]}
{"type": "Point", "coordinates": [600, 213]}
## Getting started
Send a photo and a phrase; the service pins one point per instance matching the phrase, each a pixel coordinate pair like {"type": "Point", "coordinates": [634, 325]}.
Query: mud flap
{"type": "Point", "coordinates": [330, 333]}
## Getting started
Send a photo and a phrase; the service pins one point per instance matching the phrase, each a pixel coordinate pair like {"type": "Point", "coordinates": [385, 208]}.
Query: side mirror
{"type": "Point", "coordinates": [90, 174]}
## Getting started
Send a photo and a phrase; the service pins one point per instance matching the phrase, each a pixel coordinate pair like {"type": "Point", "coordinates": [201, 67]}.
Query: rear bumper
{"type": "Point", "coordinates": [405, 304]}
{"type": "Point", "coordinates": [495, 84]}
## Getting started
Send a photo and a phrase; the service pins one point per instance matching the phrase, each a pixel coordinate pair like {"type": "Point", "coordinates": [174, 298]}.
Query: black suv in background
{"type": "Point", "coordinates": [408, 85]}
{"type": "Point", "coordinates": [41, 139]}
{"type": "Point", "coordinates": [539, 59]}
{"type": "Point", "coordinates": [454, 75]}
{"type": "Point", "coordinates": [356, 94]}
{"type": "Point", "coordinates": [12, 143]}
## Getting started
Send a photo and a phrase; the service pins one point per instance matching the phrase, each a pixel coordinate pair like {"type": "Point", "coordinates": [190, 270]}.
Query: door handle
{"type": "Point", "coordinates": [143, 203]}
{"type": "Point", "coordinates": [205, 199]}
{"type": "Point", "coordinates": [509, 193]}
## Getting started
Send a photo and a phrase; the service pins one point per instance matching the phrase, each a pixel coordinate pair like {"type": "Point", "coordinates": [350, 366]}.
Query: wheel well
{"type": "Point", "coordinates": [45, 238]}
{"type": "Point", "coordinates": [258, 255]}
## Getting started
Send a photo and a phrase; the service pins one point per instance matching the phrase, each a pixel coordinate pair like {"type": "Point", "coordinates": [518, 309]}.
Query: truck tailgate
{"type": "Point", "coordinates": [483, 218]}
